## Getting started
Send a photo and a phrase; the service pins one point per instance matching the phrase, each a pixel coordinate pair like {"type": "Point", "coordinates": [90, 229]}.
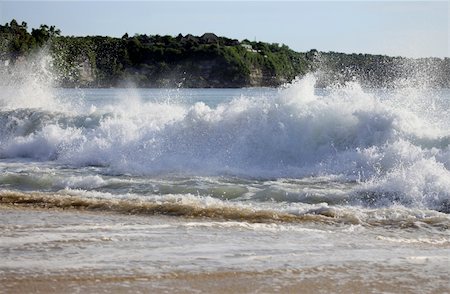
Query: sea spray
{"type": "Point", "coordinates": [392, 150]}
{"type": "Point", "coordinates": [28, 82]}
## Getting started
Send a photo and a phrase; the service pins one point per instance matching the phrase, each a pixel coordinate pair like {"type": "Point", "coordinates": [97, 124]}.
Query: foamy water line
{"type": "Point", "coordinates": [375, 149]}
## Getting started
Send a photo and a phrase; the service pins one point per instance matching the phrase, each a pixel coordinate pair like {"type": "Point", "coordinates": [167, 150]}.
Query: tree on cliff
{"type": "Point", "coordinates": [44, 33]}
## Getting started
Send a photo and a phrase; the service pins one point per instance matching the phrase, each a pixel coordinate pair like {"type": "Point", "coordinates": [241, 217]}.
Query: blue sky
{"type": "Point", "coordinates": [406, 28]}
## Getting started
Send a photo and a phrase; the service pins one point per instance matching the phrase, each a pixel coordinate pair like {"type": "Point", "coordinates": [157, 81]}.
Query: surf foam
{"type": "Point", "coordinates": [395, 151]}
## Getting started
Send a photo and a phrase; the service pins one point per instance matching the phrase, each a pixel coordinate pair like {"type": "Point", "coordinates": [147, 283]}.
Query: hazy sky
{"type": "Point", "coordinates": [407, 28]}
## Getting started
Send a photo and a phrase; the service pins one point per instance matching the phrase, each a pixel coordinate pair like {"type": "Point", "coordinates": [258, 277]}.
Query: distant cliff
{"type": "Point", "coordinates": [201, 61]}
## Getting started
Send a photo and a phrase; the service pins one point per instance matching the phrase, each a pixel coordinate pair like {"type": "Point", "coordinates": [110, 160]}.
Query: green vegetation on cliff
{"type": "Point", "coordinates": [205, 61]}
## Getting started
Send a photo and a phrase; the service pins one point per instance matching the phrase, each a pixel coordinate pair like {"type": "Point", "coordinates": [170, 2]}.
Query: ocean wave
{"type": "Point", "coordinates": [387, 146]}
{"type": "Point", "coordinates": [191, 206]}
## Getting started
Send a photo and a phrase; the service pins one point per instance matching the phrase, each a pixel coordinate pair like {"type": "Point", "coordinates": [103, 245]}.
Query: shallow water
{"type": "Point", "coordinates": [72, 251]}
{"type": "Point", "coordinates": [214, 176]}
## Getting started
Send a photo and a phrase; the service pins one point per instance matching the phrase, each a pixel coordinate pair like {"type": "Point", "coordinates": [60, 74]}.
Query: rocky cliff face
{"type": "Point", "coordinates": [189, 73]}
{"type": "Point", "coordinates": [261, 77]}
{"type": "Point", "coordinates": [86, 72]}
{"type": "Point", "coordinates": [74, 71]}
{"type": "Point", "coordinates": [200, 73]}
{"type": "Point", "coordinates": [100, 68]}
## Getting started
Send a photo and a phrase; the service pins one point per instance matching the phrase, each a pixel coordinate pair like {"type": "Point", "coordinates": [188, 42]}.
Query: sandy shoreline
{"type": "Point", "coordinates": [316, 280]}
{"type": "Point", "coordinates": [72, 277]}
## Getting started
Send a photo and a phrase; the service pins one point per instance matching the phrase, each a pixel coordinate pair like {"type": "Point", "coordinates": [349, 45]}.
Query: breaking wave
{"type": "Point", "coordinates": [393, 145]}
{"type": "Point", "coordinates": [191, 206]}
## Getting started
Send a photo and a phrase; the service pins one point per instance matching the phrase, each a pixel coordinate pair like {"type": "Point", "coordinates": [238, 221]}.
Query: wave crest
{"type": "Point", "coordinates": [373, 138]}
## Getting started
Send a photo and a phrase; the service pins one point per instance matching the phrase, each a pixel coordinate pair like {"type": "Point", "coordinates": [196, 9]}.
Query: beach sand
{"type": "Point", "coordinates": [70, 277]}
{"type": "Point", "coordinates": [323, 280]}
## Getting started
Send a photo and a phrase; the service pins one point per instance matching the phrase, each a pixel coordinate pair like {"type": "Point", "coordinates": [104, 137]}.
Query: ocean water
{"type": "Point", "coordinates": [227, 179]}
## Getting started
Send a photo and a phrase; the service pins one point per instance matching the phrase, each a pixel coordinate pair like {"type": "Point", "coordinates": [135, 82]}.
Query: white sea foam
{"type": "Point", "coordinates": [28, 82]}
{"type": "Point", "coordinates": [430, 241]}
{"type": "Point", "coordinates": [395, 151]}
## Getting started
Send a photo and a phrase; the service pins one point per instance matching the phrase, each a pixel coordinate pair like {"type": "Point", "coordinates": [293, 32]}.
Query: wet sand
{"type": "Point", "coordinates": [68, 276]}
{"type": "Point", "coordinates": [319, 280]}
